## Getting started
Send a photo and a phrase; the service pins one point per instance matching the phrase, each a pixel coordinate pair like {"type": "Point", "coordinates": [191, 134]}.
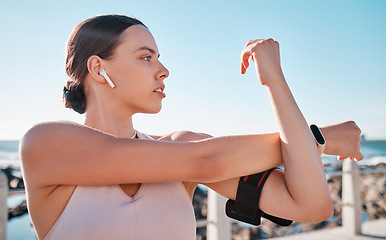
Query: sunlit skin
{"type": "Point", "coordinates": [136, 72]}
{"type": "Point", "coordinates": [102, 148]}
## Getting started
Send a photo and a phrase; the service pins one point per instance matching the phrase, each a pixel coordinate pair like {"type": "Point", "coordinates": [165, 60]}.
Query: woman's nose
{"type": "Point", "coordinates": [163, 73]}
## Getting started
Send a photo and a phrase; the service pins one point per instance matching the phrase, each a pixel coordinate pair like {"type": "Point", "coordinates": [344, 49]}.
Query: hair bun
{"type": "Point", "coordinates": [74, 97]}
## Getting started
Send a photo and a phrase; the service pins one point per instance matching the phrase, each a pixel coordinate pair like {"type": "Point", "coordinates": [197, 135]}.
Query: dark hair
{"type": "Point", "coordinates": [95, 36]}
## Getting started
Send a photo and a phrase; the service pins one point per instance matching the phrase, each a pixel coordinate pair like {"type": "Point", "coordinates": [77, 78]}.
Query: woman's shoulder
{"type": "Point", "coordinates": [55, 124]}
{"type": "Point", "coordinates": [43, 127]}
{"type": "Point", "coordinates": [40, 130]}
{"type": "Point", "coordinates": [53, 127]}
{"type": "Point", "coordinates": [182, 136]}
{"type": "Point", "coordinates": [43, 134]}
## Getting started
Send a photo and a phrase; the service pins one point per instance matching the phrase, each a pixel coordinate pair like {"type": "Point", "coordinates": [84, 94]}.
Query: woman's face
{"type": "Point", "coordinates": [137, 72]}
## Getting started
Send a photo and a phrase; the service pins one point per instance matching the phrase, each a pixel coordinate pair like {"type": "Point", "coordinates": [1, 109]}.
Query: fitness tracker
{"type": "Point", "coordinates": [319, 139]}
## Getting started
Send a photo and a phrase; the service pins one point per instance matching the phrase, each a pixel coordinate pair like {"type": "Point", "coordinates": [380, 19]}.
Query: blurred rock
{"type": "Point", "coordinates": [18, 210]}
{"type": "Point", "coordinates": [200, 201]}
{"type": "Point", "coordinates": [14, 182]}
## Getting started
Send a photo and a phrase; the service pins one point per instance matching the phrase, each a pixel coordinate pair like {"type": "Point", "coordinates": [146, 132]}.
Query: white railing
{"type": "Point", "coordinates": [3, 205]}
{"type": "Point", "coordinates": [218, 225]}
{"type": "Point", "coordinates": [351, 199]}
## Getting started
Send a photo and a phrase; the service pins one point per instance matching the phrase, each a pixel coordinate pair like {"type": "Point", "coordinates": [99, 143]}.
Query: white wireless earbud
{"type": "Point", "coordinates": [104, 74]}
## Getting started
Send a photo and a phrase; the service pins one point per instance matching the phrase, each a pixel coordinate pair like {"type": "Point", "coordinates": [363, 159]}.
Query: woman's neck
{"type": "Point", "coordinates": [109, 121]}
{"type": "Point", "coordinates": [106, 115]}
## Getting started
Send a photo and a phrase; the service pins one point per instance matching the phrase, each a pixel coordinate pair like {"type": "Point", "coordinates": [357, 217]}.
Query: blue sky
{"type": "Point", "coordinates": [332, 52]}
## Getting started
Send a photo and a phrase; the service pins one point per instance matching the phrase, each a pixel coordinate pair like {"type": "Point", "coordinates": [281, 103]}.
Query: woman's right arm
{"type": "Point", "coordinates": [72, 154]}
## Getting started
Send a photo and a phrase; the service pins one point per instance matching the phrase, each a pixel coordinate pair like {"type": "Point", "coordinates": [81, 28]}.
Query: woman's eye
{"type": "Point", "coordinates": [147, 58]}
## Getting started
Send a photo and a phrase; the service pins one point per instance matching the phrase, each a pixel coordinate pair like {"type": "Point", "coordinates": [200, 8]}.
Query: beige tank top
{"type": "Point", "coordinates": [157, 211]}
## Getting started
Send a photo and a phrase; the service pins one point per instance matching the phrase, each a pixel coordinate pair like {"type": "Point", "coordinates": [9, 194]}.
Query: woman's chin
{"type": "Point", "coordinates": [153, 110]}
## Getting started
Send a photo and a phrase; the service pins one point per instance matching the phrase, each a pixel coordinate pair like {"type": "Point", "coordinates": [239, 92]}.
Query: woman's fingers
{"type": "Point", "coordinates": [246, 54]}
{"type": "Point", "coordinates": [266, 56]}
{"type": "Point", "coordinates": [343, 140]}
{"type": "Point", "coordinates": [244, 62]}
{"type": "Point", "coordinates": [358, 156]}
{"type": "Point", "coordinates": [355, 157]}
{"type": "Point", "coordinates": [340, 158]}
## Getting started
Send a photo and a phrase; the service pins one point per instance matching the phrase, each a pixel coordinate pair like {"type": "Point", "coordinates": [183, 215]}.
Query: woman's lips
{"type": "Point", "coordinates": [160, 91]}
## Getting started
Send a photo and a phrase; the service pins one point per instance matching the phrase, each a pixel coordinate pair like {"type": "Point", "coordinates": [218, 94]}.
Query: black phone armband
{"type": "Point", "coordinates": [246, 207]}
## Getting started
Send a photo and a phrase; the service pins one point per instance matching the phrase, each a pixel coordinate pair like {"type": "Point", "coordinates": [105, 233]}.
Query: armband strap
{"type": "Point", "coordinates": [246, 207]}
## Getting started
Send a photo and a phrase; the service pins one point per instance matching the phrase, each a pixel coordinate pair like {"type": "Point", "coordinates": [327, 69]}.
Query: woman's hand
{"type": "Point", "coordinates": [343, 140]}
{"type": "Point", "coordinates": [266, 56]}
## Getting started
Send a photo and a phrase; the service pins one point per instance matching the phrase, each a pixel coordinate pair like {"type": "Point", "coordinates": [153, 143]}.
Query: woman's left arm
{"type": "Point", "coordinates": [342, 139]}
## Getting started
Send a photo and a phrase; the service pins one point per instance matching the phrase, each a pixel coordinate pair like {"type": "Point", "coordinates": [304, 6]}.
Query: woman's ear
{"type": "Point", "coordinates": [94, 67]}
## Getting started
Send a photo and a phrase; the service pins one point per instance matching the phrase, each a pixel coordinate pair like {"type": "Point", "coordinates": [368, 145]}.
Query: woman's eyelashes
{"type": "Point", "coordinates": [147, 58]}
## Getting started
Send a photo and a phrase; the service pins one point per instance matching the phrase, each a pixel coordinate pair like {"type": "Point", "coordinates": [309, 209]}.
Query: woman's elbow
{"type": "Point", "coordinates": [327, 209]}
{"type": "Point", "coordinates": [319, 212]}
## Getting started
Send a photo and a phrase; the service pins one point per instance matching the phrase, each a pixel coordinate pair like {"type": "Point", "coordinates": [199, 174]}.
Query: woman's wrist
{"type": "Point", "coordinates": [275, 82]}
{"type": "Point", "coordinates": [329, 140]}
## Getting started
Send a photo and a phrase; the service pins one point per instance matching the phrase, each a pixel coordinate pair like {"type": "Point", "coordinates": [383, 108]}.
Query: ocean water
{"type": "Point", "coordinates": [374, 152]}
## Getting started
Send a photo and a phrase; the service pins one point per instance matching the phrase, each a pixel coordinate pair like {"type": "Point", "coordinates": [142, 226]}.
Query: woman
{"type": "Point", "coordinates": [105, 180]}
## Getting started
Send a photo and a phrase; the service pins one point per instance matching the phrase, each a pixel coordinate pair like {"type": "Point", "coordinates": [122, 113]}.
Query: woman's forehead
{"type": "Point", "coordinates": [136, 37]}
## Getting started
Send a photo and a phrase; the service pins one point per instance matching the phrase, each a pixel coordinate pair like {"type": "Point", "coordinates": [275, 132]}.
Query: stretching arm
{"type": "Point", "coordinates": [304, 186]}
{"type": "Point", "coordinates": [72, 154]}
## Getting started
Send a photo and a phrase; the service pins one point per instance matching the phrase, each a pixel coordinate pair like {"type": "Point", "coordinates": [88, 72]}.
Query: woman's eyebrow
{"type": "Point", "coordinates": [148, 49]}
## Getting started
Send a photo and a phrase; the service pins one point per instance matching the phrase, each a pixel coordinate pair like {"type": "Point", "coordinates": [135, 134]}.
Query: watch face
{"type": "Point", "coordinates": [317, 134]}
